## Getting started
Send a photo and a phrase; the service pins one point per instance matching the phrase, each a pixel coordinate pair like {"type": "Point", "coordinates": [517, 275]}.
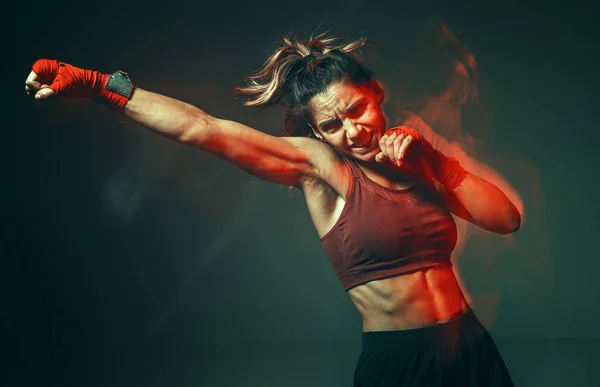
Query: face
{"type": "Point", "coordinates": [349, 117]}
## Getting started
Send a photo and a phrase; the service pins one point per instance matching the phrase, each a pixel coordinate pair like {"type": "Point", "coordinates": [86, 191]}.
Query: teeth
{"type": "Point", "coordinates": [365, 143]}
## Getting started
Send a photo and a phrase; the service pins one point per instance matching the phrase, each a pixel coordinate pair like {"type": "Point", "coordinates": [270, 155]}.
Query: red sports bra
{"type": "Point", "coordinates": [384, 233]}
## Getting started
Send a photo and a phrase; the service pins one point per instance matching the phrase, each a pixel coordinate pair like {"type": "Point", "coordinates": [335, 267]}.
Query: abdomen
{"type": "Point", "coordinates": [421, 298]}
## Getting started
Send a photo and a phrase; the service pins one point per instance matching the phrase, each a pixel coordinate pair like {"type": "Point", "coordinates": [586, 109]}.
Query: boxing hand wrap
{"type": "Point", "coordinates": [66, 80]}
{"type": "Point", "coordinates": [446, 170]}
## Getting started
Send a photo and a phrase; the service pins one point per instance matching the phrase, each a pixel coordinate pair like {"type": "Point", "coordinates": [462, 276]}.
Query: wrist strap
{"type": "Point", "coordinates": [119, 82]}
{"type": "Point", "coordinates": [450, 173]}
{"type": "Point", "coordinates": [116, 90]}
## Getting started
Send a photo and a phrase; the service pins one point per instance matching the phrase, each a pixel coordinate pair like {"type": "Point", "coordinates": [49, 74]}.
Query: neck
{"type": "Point", "coordinates": [387, 175]}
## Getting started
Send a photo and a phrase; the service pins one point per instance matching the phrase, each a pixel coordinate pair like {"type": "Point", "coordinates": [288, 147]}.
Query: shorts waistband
{"type": "Point", "coordinates": [421, 338]}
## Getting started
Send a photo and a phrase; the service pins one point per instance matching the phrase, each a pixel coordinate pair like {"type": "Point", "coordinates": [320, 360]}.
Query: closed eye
{"type": "Point", "coordinates": [356, 110]}
{"type": "Point", "coordinates": [331, 126]}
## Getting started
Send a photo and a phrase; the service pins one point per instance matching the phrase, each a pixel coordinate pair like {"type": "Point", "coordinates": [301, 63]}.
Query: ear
{"type": "Point", "coordinates": [316, 133]}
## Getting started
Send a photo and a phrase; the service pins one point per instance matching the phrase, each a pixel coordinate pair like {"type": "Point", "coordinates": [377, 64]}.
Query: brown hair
{"type": "Point", "coordinates": [300, 69]}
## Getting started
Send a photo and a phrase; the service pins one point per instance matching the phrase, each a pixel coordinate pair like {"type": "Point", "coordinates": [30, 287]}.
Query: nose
{"type": "Point", "coordinates": [353, 132]}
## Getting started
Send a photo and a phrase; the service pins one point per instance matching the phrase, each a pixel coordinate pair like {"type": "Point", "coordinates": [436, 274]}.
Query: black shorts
{"type": "Point", "coordinates": [458, 353]}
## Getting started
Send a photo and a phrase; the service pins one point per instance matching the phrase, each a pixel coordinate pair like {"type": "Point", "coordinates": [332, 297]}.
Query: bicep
{"type": "Point", "coordinates": [282, 160]}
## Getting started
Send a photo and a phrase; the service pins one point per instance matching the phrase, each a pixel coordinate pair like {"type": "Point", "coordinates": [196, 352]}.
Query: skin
{"type": "Point", "coordinates": [425, 297]}
{"type": "Point", "coordinates": [439, 119]}
{"type": "Point", "coordinates": [413, 300]}
{"type": "Point", "coordinates": [350, 119]}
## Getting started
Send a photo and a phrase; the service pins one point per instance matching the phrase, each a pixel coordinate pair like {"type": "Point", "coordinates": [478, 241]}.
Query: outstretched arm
{"type": "Point", "coordinates": [280, 160]}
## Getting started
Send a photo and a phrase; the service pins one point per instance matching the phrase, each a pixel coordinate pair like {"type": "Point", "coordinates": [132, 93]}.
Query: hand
{"type": "Point", "coordinates": [402, 146]}
{"type": "Point", "coordinates": [39, 79]}
{"type": "Point", "coordinates": [49, 77]}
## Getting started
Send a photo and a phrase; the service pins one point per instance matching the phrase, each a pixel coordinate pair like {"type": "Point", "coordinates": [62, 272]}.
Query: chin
{"type": "Point", "coordinates": [367, 155]}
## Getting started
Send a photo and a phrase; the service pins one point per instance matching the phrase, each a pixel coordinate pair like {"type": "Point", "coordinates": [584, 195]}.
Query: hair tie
{"type": "Point", "coordinates": [306, 59]}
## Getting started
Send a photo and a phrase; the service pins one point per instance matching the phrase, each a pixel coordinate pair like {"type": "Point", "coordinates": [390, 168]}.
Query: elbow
{"type": "Point", "coordinates": [514, 219]}
{"type": "Point", "coordinates": [512, 225]}
{"type": "Point", "coordinates": [508, 230]}
{"type": "Point", "coordinates": [516, 223]}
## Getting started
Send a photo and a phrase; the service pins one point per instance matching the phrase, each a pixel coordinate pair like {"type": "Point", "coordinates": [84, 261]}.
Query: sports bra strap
{"type": "Point", "coordinates": [357, 174]}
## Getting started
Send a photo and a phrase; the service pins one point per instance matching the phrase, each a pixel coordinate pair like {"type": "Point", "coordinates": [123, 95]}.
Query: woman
{"type": "Point", "coordinates": [380, 199]}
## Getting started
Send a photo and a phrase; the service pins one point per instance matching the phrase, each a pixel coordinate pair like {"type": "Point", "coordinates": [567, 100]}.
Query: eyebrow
{"type": "Point", "coordinates": [327, 122]}
{"type": "Point", "coordinates": [352, 105]}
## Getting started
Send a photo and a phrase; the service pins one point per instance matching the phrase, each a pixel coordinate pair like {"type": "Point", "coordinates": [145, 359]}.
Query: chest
{"type": "Point", "coordinates": [396, 224]}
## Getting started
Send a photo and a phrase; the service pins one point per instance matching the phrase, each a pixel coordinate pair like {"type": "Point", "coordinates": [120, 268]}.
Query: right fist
{"type": "Point", "coordinates": [50, 77]}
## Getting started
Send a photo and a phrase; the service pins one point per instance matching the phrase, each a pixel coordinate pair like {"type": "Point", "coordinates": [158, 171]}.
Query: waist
{"type": "Point", "coordinates": [422, 298]}
{"type": "Point", "coordinates": [424, 338]}
{"type": "Point", "coordinates": [383, 270]}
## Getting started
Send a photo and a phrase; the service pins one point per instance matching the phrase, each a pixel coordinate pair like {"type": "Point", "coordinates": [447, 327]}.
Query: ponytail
{"type": "Point", "coordinates": [299, 70]}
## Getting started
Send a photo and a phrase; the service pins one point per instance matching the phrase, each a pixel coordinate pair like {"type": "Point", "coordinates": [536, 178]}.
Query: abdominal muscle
{"type": "Point", "coordinates": [415, 300]}
{"type": "Point", "coordinates": [418, 299]}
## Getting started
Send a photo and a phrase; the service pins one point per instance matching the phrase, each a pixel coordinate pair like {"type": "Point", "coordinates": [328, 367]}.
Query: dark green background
{"type": "Point", "coordinates": [130, 260]}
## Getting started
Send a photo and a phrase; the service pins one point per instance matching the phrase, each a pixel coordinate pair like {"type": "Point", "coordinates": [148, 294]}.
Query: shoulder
{"type": "Point", "coordinates": [328, 166]}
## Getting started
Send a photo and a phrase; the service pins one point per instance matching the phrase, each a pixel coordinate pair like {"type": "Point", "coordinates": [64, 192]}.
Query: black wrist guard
{"type": "Point", "coordinates": [120, 83]}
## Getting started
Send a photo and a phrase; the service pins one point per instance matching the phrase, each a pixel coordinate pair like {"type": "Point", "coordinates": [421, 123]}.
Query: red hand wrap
{"type": "Point", "coordinates": [446, 170]}
{"type": "Point", "coordinates": [70, 81]}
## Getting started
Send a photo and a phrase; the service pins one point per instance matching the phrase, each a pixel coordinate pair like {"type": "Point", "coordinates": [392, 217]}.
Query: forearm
{"type": "Point", "coordinates": [485, 172]}
{"type": "Point", "coordinates": [483, 197]}
{"type": "Point", "coordinates": [484, 204]}
{"type": "Point", "coordinates": [457, 149]}
{"type": "Point", "coordinates": [167, 116]}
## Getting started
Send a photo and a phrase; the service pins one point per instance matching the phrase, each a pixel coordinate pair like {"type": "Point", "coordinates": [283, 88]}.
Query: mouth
{"type": "Point", "coordinates": [364, 144]}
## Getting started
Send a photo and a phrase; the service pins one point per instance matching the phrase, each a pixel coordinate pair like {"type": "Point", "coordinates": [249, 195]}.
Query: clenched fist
{"type": "Point", "coordinates": [49, 77]}
{"type": "Point", "coordinates": [403, 146]}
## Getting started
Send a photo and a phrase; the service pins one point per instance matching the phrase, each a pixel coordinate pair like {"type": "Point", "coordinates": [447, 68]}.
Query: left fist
{"type": "Point", "coordinates": [402, 145]}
